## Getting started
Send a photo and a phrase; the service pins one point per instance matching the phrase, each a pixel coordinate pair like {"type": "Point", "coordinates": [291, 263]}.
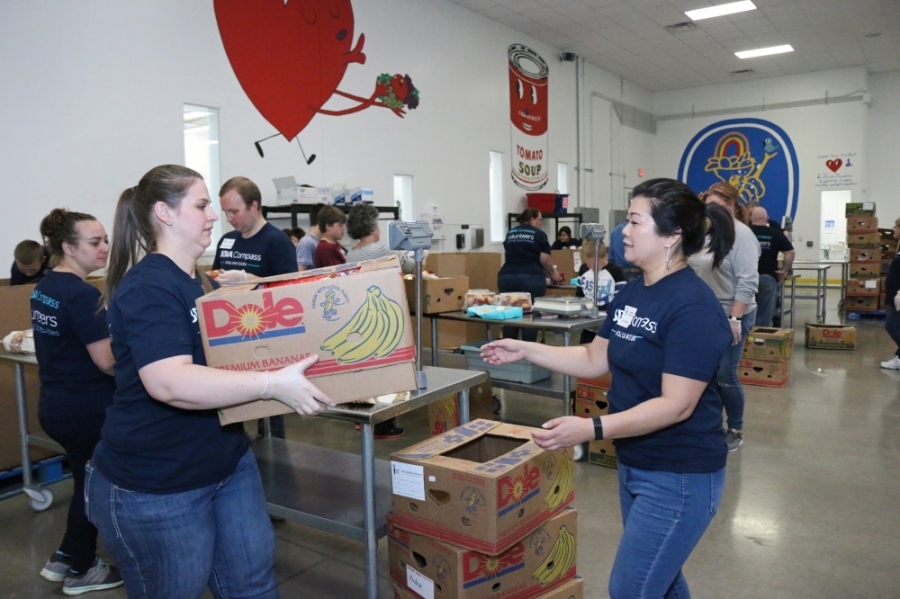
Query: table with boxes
{"type": "Point", "coordinates": [481, 512]}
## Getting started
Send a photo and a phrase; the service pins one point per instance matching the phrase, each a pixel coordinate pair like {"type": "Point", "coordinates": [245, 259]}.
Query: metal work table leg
{"type": "Point", "coordinates": [371, 539]}
{"type": "Point", "coordinates": [567, 380]}
{"type": "Point", "coordinates": [434, 343]}
{"type": "Point", "coordinates": [464, 406]}
{"type": "Point", "coordinates": [23, 429]}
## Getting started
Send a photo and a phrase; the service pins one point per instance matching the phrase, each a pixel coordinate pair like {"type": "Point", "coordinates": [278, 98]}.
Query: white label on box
{"type": "Point", "coordinates": [227, 243]}
{"type": "Point", "coordinates": [419, 583]}
{"type": "Point", "coordinates": [868, 205]}
{"type": "Point", "coordinates": [432, 479]}
{"type": "Point", "coordinates": [408, 480]}
{"type": "Point", "coordinates": [872, 284]}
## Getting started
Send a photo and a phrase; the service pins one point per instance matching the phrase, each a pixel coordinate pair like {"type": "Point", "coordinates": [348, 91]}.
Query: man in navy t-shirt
{"type": "Point", "coordinates": [255, 248]}
{"type": "Point", "coordinates": [771, 242]}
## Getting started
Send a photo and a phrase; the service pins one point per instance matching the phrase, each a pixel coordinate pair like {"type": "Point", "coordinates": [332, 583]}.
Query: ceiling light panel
{"type": "Point", "coordinates": [721, 10]}
{"type": "Point", "coordinates": [764, 51]}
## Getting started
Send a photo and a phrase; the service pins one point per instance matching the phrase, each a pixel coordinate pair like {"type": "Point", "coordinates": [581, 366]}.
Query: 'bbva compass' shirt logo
{"type": "Point", "coordinates": [754, 155]}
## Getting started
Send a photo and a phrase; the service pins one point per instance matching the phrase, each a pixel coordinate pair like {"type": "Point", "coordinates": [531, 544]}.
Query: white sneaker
{"type": "Point", "coordinates": [892, 364]}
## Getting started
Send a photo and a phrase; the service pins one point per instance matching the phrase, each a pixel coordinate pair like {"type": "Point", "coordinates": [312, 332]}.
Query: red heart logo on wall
{"type": "Point", "coordinates": [289, 57]}
{"type": "Point", "coordinates": [834, 165]}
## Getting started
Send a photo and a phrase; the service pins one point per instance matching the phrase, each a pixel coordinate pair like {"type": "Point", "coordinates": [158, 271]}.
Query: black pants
{"type": "Point", "coordinates": [78, 435]}
{"type": "Point", "coordinates": [536, 285]}
{"type": "Point", "coordinates": [892, 326]}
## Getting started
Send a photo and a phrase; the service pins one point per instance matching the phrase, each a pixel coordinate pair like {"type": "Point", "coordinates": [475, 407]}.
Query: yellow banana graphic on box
{"type": "Point", "coordinates": [559, 560]}
{"type": "Point", "coordinates": [374, 330]}
{"type": "Point", "coordinates": [565, 477]}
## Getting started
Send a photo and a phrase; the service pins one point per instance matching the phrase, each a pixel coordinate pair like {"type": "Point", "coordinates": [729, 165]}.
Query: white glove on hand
{"type": "Point", "coordinates": [897, 301]}
{"type": "Point", "coordinates": [736, 331]}
{"type": "Point", "coordinates": [232, 277]}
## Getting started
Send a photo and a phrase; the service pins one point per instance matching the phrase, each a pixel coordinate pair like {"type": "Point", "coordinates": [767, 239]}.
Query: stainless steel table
{"type": "Point", "coordinates": [558, 386]}
{"type": "Point", "coordinates": [821, 271]}
{"type": "Point", "coordinates": [792, 281]}
{"type": "Point", "coordinates": [845, 270]}
{"type": "Point", "coordinates": [322, 487]}
{"type": "Point", "coordinates": [41, 499]}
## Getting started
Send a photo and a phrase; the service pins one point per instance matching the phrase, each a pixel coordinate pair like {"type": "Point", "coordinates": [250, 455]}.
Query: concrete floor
{"type": "Point", "coordinates": [810, 510]}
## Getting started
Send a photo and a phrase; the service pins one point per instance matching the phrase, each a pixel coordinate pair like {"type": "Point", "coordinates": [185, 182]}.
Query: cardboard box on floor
{"type": "Point", "coordinates": [445, 571]}
{"type": "Point", "coordinates": [764, 373]}
{"type": "Point", "coordinates": [273, 323]}
{"type": "Point", "coordinates": [830, 336]}
{"type": "Point", "coordinates": [484, 485]}
{"type": "Point", "coordinates": [764, 343]}
{"type": "Point", "coordinates": [572, 589]}
{"type": "Point", "coordinates": [445, 294]}
{"type": "Point", "coordinates": [603, 453]}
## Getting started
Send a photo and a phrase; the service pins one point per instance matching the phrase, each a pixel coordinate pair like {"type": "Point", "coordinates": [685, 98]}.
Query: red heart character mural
{"type": "Point", "coordinates": [290, 56]}
{"type": "Point", "coordinates": [834, 165]}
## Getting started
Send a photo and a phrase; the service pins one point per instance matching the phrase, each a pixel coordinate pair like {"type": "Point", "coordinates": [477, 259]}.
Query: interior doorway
{"type": "Point", "coordinates": [833, 224]}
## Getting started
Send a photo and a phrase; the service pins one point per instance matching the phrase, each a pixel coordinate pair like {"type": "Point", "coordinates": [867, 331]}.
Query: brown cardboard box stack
{"type": "Point", "coordinates": [481, 512]}
{"type": "Point", "coordinates": [591, 402]}
{"type": "Point", "coordinates": [864, 283]}
{"type": "Point", "coordinates": [766, 357]}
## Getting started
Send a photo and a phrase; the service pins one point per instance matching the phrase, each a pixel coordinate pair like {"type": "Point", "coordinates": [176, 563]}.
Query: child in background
{"type": "Point", "coordinates": [332, 226]}
{"type": "Point", "coordinates": [610, 280]}
{"type": "Point", "coordinates": [29, 261]}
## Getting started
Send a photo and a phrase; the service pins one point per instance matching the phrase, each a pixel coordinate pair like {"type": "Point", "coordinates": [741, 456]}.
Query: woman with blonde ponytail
{"type": "Point", "coordinates": [188, 510]}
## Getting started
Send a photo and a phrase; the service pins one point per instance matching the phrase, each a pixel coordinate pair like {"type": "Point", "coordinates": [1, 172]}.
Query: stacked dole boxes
{"type": "Point", "coordinates": [591, 401]}
{"type": "Point", "coordinates": [481, 512]}
{"type": "Point", "coordinates": [863, 239]}
{"type": "Point", "coordinates": [766, 357]}
{"type": "Point", "coordinates": [889, 247]}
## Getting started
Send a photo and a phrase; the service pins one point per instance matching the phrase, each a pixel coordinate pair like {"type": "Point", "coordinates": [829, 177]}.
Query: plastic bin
{"type": "Point", "coordinates": [522, 371]}
{"type": "Point", "coordinates": [549, 202]}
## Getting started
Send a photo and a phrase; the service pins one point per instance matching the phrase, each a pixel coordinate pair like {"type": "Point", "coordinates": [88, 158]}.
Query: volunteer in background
{"type": "Point", "coordinates": [527, 264]}
{"type": "Point", "coordinates": [176, 496]}
{"type": "Point", "coordinates": [663, 342]}
{"type": "Point", "coordinates": [735, 282]}
{"type": "Point", "coordinates": [255, 249]}
{"type": "Point", "coordinates": [71, 342]}
{"type": "Point", "coordinates": [564, 240]}
{"type": "Point", "coordinates": [617, 247]}
{"type": "Point", "coordinates": [362, 225]}
{"type": "Point", "coordinates": [771, 242]}
{"type": "Point", "coordinates": [332, 226]}
{"type": "Point", "coordinates": [610, 280]}
{"type": "Point", "coordinates": [306, 249]}
{"type": "Point", "coordinates": [892, 299]}
{"type": "Point", "coordinates": [295, 234]}
{"type": "Point", "coordinates": [29, 261]}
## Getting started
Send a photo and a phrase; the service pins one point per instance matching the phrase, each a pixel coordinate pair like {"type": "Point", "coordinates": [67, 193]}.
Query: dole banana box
{"type": "Point", "coordinates": [765, 343]}
{"type": "Point", "coordinates": [830, 336]}
{"type": "Point", "coordinates": [764, 373]}
{"type": "Point", "coordinates": [571, 589]}
{"type": "Point", "coordinates": [353, 316]}
{"type": "Point", "coordinates": [484, 485]}
{"type": "Point", "coordinates": [591, 402]}
{"type": "Point", "coordinates": [541, 562]}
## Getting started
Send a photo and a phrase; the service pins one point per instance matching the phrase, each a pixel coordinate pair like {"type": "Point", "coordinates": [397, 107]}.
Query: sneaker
{"type": "Point", "coordinates": [57, 567]}
{"type": "Point", "coordinates": [892, 364]}
{"type": "Point", "coordinates": [101, 577]}
{"type": "Point", "coordinates": [733, 438]}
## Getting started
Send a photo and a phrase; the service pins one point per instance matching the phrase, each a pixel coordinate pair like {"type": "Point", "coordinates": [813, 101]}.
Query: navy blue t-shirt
{"type": "Point", "coordinates": [147, 445]}
{"type": "Point", "coordinates": [65, 320]}
{"type": "Point", "coordinates": [524, 245]}
{"type": "Point", "coordinates": [771, 241]}
{"type": "Point", "coordinates": [675, 326]}
{"type": "Point", "coordinates": [268, 253]}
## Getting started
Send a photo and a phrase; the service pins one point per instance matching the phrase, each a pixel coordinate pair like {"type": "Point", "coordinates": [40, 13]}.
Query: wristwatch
{"type": "Point", "coordinates": [598, 428]}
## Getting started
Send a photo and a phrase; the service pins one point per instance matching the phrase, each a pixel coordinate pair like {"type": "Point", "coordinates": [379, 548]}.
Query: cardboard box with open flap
{"type": "Point", "coordinates": [767, 343]}
{"type": "Point", "coordinates": [353, 316]}
{"type": "Point", "coordinates": [484, 485]}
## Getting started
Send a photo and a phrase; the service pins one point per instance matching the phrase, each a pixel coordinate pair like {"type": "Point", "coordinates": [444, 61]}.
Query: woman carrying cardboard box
{"type": "Point", "coordinates": [663, 341]}
{"type": "Point", "coordinates": [177, 498]}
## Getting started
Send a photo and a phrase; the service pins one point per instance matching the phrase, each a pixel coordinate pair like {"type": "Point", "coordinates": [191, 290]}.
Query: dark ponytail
{"type": "Point", "coordinates": [134, 229]}
{"type": "Point", "coordinates": [676, 210]}
{"type": "Point", "coordinates": [59, 227]}
{"type": "Point", "coordinates": [528, 214]}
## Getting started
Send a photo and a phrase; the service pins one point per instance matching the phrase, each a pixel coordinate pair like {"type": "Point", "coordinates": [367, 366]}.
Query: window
{"type": "Point", "coordinates": [562, 177]}
{"type": "Point", "coordinates": [201, 153]}
{"type": "Point", "coordinates": [498, 229]}
{"type": "Point", "coordinates": [403, 196]}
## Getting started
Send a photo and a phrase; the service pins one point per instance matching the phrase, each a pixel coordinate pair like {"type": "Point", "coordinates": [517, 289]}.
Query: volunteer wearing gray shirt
{"type": "Point", "coordinates": [306, 249]}
{"type": "Point", "coordinates": [735, 283]}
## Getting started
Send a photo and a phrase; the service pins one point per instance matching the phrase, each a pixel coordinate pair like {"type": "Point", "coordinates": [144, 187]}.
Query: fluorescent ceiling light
{"type": "Point", "coordinates": [720, 10]}
{"type": "Point", "coordinates": [764, 51]}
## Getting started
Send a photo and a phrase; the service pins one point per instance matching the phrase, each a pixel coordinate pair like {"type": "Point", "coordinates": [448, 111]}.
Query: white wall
{"type": "Point", "coordinates": [882, 135]}
{"type": "Point", "coordinates": [816, 131]}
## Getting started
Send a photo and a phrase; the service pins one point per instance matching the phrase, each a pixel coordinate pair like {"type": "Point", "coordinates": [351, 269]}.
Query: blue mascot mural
{"type": "Point", "coordinates": [754, 155]}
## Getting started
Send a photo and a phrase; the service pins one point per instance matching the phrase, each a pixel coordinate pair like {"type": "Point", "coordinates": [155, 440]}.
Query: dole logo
{"type": "Point", "coordinates": [514, 491]}
{"type": "Point", "coordinates": [832, 333]}
{"type": "Point", "coordinates": [226, 323]}
{"type": "Point", "coordinates": [479, 568]}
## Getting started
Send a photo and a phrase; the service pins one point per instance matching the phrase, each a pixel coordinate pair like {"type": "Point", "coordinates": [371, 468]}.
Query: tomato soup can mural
{"type": "Point", "coordinates": [528, 75]}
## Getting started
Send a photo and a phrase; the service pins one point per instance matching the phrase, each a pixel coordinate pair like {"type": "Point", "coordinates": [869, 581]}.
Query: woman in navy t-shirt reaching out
{"type": "Point", "coordinates": [663, 340]}
{"type": "Point", "coordinates": [71, 340]}
{"type": "Point", "coordinates": [178, 498]}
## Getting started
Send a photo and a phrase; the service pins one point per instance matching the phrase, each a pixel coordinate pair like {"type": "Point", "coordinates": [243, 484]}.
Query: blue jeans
{"type": "Point", "coordinates": [664, 515]}
{"type": "Point", "coordinates": [765, 300]}
{"type": "Point", "coordinates": [727, 376]}
{"type": "Point", "coordinates": [176, 545]}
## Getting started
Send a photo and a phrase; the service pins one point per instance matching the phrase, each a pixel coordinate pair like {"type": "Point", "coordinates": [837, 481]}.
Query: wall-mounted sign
{"type": "Point", "coordinates": [528, 76]}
